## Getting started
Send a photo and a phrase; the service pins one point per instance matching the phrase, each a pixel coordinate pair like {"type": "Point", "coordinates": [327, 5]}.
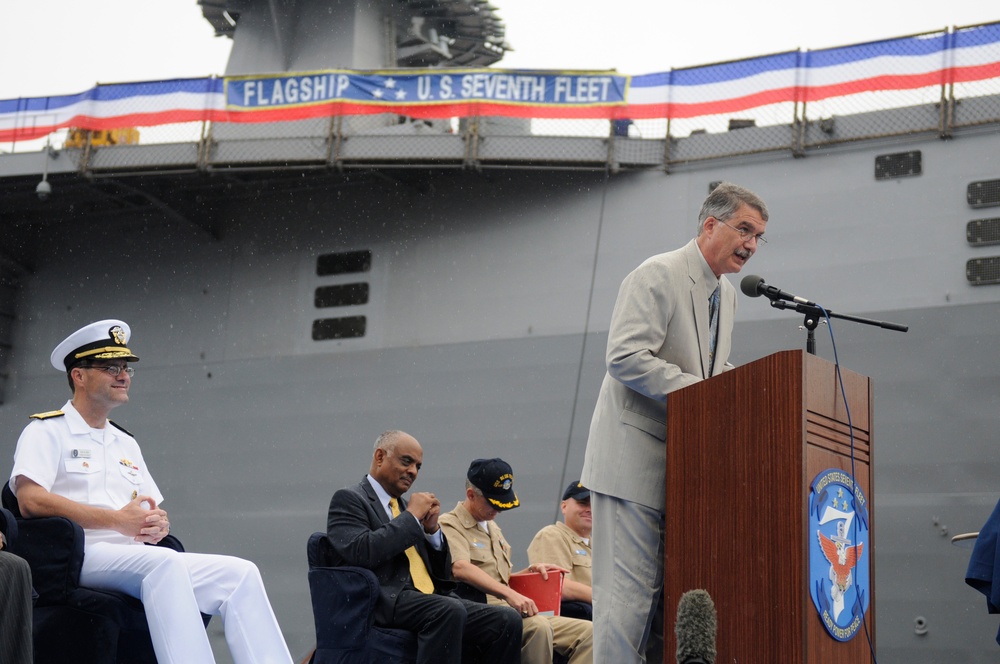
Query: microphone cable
{"type": "Point", "coordinates": [854, 481]}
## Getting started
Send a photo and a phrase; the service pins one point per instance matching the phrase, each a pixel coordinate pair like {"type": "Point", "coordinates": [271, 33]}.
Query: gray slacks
{"type": "Point", "coordinates": [628, 581]}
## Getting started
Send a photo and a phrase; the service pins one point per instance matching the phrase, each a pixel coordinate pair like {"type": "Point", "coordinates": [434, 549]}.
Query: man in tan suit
{"type": "Point", "coordinates": [671, 327]}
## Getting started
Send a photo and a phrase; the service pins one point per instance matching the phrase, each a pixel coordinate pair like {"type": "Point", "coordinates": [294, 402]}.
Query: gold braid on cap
{"type": "Point", "coordinates": [120, 351]}
{"type": "Point", "coordinates": [504, 506]}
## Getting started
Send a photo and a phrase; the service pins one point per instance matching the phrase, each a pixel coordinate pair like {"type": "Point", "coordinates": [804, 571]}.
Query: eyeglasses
{"type": "Point", "coordinates": [113, 369]}
{"type": "Point", "coordinates": [744, 233]}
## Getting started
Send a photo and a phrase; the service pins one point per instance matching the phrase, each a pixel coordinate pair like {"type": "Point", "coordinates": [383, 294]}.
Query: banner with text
{"type": "Point", "coordinates": [438, 93]}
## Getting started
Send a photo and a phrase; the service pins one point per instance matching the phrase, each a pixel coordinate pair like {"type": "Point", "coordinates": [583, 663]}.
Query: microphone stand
{"type": "Point", "coordinates": [813, 314]}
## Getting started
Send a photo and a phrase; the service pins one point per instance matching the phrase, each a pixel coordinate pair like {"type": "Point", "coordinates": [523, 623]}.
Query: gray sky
{"type": "Point", "coordinates": [52, 47]}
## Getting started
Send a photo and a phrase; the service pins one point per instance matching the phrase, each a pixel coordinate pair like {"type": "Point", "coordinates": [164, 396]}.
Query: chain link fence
{"type": "Point", "coordinates": [796, 102]}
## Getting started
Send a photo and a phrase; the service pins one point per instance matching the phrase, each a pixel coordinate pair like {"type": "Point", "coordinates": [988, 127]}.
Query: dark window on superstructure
{"type": "Point", "coordinates": [344, 263]}
{"type": "Point", "coordinates": [339, 328]}
{"type": "Point", "coordinates": [341, 296]}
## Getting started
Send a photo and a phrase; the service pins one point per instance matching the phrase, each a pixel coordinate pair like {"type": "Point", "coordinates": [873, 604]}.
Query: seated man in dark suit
{"type": "Point", "coordinates": [15, 607]}
{"type": "Point", "coordinates": [370, 526]}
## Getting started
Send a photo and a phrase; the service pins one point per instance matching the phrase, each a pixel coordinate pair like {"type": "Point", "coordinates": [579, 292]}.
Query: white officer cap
{"type": "Point", "coordinates": [103, 340]}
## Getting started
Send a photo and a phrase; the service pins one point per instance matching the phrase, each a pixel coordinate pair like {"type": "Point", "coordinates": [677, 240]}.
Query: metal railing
{"type": "Point", "coordinates": [887, 104]}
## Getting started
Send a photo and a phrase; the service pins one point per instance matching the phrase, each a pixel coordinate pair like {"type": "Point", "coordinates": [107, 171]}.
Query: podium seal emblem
{"type": "Point", "coordinates": [839, 555]}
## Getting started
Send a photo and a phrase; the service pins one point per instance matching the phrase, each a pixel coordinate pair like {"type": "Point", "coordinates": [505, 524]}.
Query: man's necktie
{"type": "Point", "coordinates": [713, 327]}
{"type": "Point", "coordinates": [418, 570]}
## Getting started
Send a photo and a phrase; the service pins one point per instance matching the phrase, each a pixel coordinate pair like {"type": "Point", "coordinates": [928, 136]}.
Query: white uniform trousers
{"type": "Point", "coordinates": [175, 588]}
{"type": "Point", "coordinates": [628, 581]}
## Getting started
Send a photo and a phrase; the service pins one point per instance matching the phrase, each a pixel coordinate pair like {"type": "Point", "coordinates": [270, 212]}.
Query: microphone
{"type": "Point", "coordinates": [695, 628]}
{"type": "Point", "coordinates": [754, 286]}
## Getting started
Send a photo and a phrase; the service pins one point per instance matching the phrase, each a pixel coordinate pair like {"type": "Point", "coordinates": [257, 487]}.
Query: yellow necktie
{"type": "Point", "coordinates": [418, 570]}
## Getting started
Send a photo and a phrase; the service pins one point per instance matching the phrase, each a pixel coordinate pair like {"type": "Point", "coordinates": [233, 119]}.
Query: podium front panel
{"type": "Point", "coordinates": [742, 450]}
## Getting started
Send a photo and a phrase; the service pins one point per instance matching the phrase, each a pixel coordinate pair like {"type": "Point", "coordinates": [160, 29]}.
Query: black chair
{"type": "Point", "coordinates": [70, 622]}
{"type": "Point", "coordinates": [343, 600]}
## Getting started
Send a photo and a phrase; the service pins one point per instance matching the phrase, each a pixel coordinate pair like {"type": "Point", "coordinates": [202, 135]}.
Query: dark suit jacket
{"type": "Point", "coordinates": [362, 535]}
{"type": "Point", "coordinates": [983, 573]}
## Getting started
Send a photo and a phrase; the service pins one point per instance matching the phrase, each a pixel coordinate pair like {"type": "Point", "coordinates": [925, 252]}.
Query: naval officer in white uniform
{"type": "Point", "coordinates": [77, 464]}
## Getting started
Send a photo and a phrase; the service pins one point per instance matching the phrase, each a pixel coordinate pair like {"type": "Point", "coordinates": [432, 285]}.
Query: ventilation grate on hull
{"type": "Point", "coordinates": [983, 271]}
{"type": "Point", "coordinates": [983, 232]}
{"type": "Point", "coordinates": [898, 165]}
{"type": "Point", "coordinates": [985, 193]}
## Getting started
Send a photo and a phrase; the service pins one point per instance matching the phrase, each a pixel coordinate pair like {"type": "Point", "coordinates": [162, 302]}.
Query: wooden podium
{"type": "Point", "coordinates": [742, 450]}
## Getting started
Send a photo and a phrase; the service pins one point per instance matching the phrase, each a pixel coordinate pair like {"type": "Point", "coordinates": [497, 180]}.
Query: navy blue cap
{"type": "Point", "coordinates": [495, 479]}
{"type": "Point", "coordinates": [576, 491]}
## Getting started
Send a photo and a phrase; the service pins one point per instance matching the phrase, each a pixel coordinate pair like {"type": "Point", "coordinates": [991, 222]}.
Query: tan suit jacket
{"type": "Point", "coordinates": [658, 342]}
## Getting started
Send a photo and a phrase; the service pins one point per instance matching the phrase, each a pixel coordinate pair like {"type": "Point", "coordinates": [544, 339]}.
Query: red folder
{"type": "Point", "coordinates": [547, 594]}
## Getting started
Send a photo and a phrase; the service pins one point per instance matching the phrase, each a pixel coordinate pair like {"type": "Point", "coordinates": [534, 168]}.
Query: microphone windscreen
{"type": "Point", "coordinates": [695, 628]}
{"type": "Point", "coordinates": [749, 285]}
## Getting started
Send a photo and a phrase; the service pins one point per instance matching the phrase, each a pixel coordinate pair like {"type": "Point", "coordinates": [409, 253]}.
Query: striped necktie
{"type": "Point", "coordinates": [713, 327]}
{"type": "Point", "coordinates": [418, 570]}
